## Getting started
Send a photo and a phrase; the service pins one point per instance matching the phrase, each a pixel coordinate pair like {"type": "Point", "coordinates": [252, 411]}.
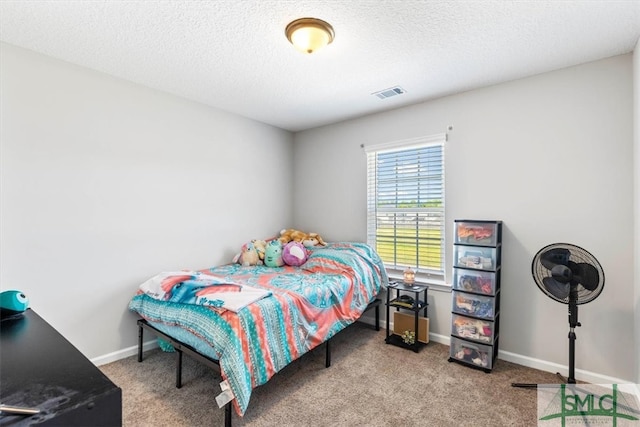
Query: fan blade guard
{"type": "Point", "coordinates": [555, 256]}
{"type": "Point", "coordinates": [587, 276]}
{"type": "Point", "coordinates": [567, 273]}
{"type": "Point", "coordinates": [555, 288]}
{"type": "Point", "coordinates": [562, 273]}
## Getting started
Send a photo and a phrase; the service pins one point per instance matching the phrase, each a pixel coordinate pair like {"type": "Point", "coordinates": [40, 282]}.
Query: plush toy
{"type": "Point", "coordinates": [261, 247]}
{"type": "Point", "coordinates": [307, 239]}
{"type": "Point", "coordinates": [313, 240]}
{"type": "Point", "coordinates": [273, 254]}
{"type": "Point", "coordinates": [295, 254]}
{"type": "Point", "coordinates": [291, 235]}
{"type": "Point", "coordinates": [249, 255]}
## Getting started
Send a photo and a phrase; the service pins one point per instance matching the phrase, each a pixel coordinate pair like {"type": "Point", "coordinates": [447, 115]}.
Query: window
{"type": "Point", "coordinates": [405, 205]}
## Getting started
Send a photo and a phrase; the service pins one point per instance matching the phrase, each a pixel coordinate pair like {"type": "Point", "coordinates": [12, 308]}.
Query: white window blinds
{"type": "Point", "coordinates": [405, 204]}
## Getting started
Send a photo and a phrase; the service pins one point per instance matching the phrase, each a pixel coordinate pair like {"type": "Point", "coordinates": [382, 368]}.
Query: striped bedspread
{"type": "Point", "coordinates": [307, 305]}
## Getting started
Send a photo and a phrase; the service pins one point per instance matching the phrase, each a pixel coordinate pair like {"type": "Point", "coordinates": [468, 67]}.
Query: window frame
{"type": "Point", "coordinates": [423, 275]}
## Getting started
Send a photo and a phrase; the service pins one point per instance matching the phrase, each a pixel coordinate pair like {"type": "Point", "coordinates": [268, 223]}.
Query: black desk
{"type": "Point", "coordinates": [40, 368]}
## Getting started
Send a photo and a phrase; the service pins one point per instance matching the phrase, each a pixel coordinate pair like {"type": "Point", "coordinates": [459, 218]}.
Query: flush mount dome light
{"type": "Point", "coordinates": [309, 34]}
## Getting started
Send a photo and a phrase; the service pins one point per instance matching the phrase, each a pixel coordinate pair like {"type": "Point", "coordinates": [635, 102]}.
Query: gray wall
{"type": "Point", "coordinates": [106, 183]}
{"type": "Point", "coordinates": [636, 169]}
{"type": "Point", "coordinates": [551, 156]}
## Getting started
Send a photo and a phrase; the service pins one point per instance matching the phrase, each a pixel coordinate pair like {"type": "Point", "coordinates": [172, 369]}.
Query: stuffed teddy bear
{"type": "Point", "coordinates": [295, 254]}
{"type": "Point", "coordinates": [249, 255]}
{"type": "Point", "coordinates": [273, 254]}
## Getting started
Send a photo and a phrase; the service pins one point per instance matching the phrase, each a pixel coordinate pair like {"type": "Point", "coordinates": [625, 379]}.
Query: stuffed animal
{"type": "Point", "coordinates": [295, 254]}
{"type": "Point", "coordinates": [291, 235]}
{"type": "Point", "coordinates": [273, 254]}
{"type": "Point", "coordinates": [307, 239]}
{"type": "Point", "coordinates": [261, 247]}
{"type": "Point", "coordinates": [249, 255]}
{"type": "Point", "coordinates": [313, 240]}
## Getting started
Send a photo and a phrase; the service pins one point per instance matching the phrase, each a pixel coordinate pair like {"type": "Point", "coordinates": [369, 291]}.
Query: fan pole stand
{"type": "Point", "coordinates": [573, 323]}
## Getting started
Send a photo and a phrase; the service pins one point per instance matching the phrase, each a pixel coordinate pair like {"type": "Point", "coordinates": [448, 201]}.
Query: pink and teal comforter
{"type": "Point", "coordinates": [307, 306]}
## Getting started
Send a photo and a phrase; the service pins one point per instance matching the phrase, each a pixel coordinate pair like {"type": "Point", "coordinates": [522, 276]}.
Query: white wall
{"type": "Point", "coordinates": [106, 183]}
{"type": "Point", "coordinates": [551, 156]}
{"type": "Point", "coordinates": [636, 192]}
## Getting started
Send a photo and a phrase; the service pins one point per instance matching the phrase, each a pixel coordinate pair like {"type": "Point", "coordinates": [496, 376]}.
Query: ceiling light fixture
{"type": "Point", "coordinates": [309, 34]}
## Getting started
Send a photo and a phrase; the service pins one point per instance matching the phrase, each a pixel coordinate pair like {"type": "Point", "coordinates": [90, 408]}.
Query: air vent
{"type": "Point", "coordinates": [388, 93]}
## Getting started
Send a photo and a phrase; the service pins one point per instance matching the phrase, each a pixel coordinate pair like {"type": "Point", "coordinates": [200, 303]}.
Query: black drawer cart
{"type": "Point", "coordinates": [475, 317]}
{"type": "Point", "coordinates": [411, 298]}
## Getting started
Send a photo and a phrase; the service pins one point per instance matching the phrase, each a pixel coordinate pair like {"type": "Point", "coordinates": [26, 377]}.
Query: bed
{"type": "Point", "coordinates": [290, 311]}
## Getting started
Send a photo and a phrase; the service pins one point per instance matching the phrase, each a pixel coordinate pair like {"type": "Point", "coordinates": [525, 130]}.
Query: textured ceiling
{"type": "Point", "coordinates": [234, 55]}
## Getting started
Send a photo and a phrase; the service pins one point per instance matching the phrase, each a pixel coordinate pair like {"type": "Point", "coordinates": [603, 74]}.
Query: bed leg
{"type": "Point", "coordinates": [227, 415]}
{"type": "Point", "coordinates": [378, 317]}
{"type": "Point", "coordinates": [179, 369]}
{"type": "Point", "coordinates": [140, 335]}
{"type": "Point", "coordinates": [327, 362]}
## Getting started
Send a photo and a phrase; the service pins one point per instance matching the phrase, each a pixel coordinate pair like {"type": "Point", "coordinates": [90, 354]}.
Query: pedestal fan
{"type": "Point", "coordinates": [568, 274]}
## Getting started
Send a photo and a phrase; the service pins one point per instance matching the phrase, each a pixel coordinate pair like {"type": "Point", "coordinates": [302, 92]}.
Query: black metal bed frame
{"type": "Point", "coordinates": [181, 348]}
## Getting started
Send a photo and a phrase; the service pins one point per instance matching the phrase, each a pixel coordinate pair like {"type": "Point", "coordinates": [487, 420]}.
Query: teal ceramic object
{"type": "Point", "coordinates": [12, 303]}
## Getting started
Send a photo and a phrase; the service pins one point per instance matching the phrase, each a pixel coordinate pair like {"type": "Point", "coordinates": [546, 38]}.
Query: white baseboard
{"type": "Point", "coordinates": [543, 365]}
{"type": "Point", "coordinates": [530, 362]}
{"type": "Point", "coordinates": [122, 354]}
{"type": "Point", "coordinates": [442, 339]}
{"type": "Point", "coordinates": [581, 375]}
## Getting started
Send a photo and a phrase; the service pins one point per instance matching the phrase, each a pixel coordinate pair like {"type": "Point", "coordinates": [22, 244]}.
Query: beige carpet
{"type": "Point", "coordinates": [369, 383]}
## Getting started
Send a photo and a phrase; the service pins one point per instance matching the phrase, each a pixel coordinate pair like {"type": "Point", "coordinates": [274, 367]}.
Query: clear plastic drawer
{"type": "Point", "coordinates": [481, 282]}
{"type": "Point", "coordinates": [477, 233]}
{"type": "Point", "coordinates": [474, 305]}
{"type": "Point", "coordinates": [473, 329]}
{"type": "Point", "coordinates": [477, 257]}
{"type": "Point", "coordinates": [472, 353]}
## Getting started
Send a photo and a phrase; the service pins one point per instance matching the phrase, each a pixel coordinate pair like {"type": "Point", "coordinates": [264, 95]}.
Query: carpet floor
{"type": "Point", "coordinates": [369, 383]}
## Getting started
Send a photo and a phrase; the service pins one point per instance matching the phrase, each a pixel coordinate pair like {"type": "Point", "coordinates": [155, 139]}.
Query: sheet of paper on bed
{"type": "Point", "coordinates": [159, 285]}
{"type": "Point", "coordinates": [232, 297]}
{"type": "Point", "coordinates": [193, 287]}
